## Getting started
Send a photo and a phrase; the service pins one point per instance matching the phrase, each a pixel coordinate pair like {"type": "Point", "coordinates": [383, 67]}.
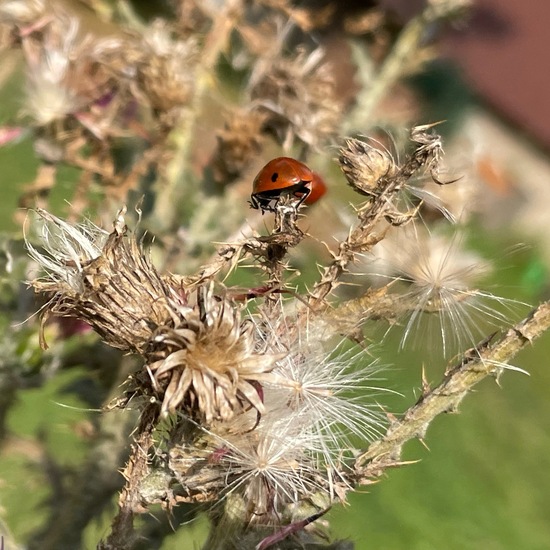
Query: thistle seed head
{"type": "Point", "coordinates": [205, 360]}
{"type": "Point", "coordinates": [166, 73]}
{"type": "Point", "coordinates": [51, 90]}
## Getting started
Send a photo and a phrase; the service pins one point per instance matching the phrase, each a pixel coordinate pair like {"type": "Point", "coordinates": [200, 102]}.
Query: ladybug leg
{"type": "Point", "coordinates": [304, 193]}
{"type": "Point", "coordinates": [256, 204]}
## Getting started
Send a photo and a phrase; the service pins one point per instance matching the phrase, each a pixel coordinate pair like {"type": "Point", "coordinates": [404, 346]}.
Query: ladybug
{"type": "Point", "coordinates": [281, 176]}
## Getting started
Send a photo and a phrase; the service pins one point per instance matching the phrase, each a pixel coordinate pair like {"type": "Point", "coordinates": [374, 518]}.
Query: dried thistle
{"type": "Point", "coordinates": [198, 355]}
{"type": "Point", "coordinates": [239, 143]}
{"type": "Point", "coordinates": [313, 404]}
{"type": "Point", "coordinates": [254, 410]}
{"type": "Point", "coordinates": [366, 166]}
{"type": "Point", "coordinates": [206, 361]}
{"type": "Point", "coordinates": [441, 298]}
{"type": "Point", "coordinates": [297, 97]}
{"type": "Point", "coordinates": [166, 71]}
{"type": "Point", "coordinates": [267, 408]}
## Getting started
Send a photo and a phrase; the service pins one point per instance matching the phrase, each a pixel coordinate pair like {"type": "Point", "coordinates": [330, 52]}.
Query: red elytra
{"type": "Point", "coordinates": [318, 189]}
{"type": "Point", "coordinates": [284, 176]}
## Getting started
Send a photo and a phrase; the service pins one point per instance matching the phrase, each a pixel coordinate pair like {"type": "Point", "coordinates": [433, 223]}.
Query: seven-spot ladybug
{"type": "Point", "coordinates": [281, 176]}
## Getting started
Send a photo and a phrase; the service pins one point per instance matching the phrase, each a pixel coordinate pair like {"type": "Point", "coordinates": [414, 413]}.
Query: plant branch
{"type": "Point", "coordinates": [488, 360]}
{"type": "Point", "coordinates": [183, 137]}
{"type": "Point", "coordinates": [403, 56]}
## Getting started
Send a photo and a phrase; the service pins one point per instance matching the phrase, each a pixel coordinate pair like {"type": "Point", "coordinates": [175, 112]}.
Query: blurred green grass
{"type": "Point", "coordinates": [484, 481]}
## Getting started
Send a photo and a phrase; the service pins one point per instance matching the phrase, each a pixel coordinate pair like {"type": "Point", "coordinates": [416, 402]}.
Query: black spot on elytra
{"type": "Point", "coordinates": [274, 176]}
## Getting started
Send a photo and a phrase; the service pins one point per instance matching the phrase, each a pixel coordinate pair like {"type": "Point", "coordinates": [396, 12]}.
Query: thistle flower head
{"type": "Point", "coordinates": [83, 260]}
{"type": "Point", "coordinates": [366, 166]}
{"type": "Point", "coordinates": [205, 360]}
{"type": "Point", "coordinates": [166, 72]}
{"type": "Point", "coordinates": [298, 98]}
{"type": "Point", "coordinates": [198, 354]}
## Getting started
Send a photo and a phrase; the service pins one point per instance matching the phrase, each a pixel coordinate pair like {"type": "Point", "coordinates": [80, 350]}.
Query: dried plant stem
{"type": "Point", "coordinates": [378, 214]}
{"type": "Point", "coordinates": [122, 529]}
{"type": "Point", "coordinates": [183, 137]}
{"type": "Point", "coordinates": [271, 249]}
{"type": "Point", "coordinates": [401, 58]}
{"type": "Point", "coordinates": [458, 381]}
{"type": "Point", "coordinates": [360, 240]}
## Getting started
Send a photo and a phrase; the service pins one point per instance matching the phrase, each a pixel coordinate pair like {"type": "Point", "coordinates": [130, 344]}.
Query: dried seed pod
{"type": "Point", "coordinates": [366, 166]}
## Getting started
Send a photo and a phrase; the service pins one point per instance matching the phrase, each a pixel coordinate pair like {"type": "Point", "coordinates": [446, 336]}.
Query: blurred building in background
{"type": "Point", "coordinates": [501, 50]}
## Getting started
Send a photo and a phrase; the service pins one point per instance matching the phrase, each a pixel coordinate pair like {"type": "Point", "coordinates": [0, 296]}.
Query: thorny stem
{"type": "Point", "coordinates": [183, 137]}
{"type": "Point", "coordinates": [379, 206]}
{"type": "Point", "coordinates": [458, 381]}
{"type": "Point", "coordinates": [286, 234]}
{"type": "Point", "coordinates": [361, 239]}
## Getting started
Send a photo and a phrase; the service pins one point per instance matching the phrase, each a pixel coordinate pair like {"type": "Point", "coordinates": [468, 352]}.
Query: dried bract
{"type": "Point", "coordinates": [298, 97]}
{"type": "Point", "coordinates": [107, 282]}
{"type": "Point", "coordinates": [366, 166]}
{"type": "Point", "coordinates": [428, 150]}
